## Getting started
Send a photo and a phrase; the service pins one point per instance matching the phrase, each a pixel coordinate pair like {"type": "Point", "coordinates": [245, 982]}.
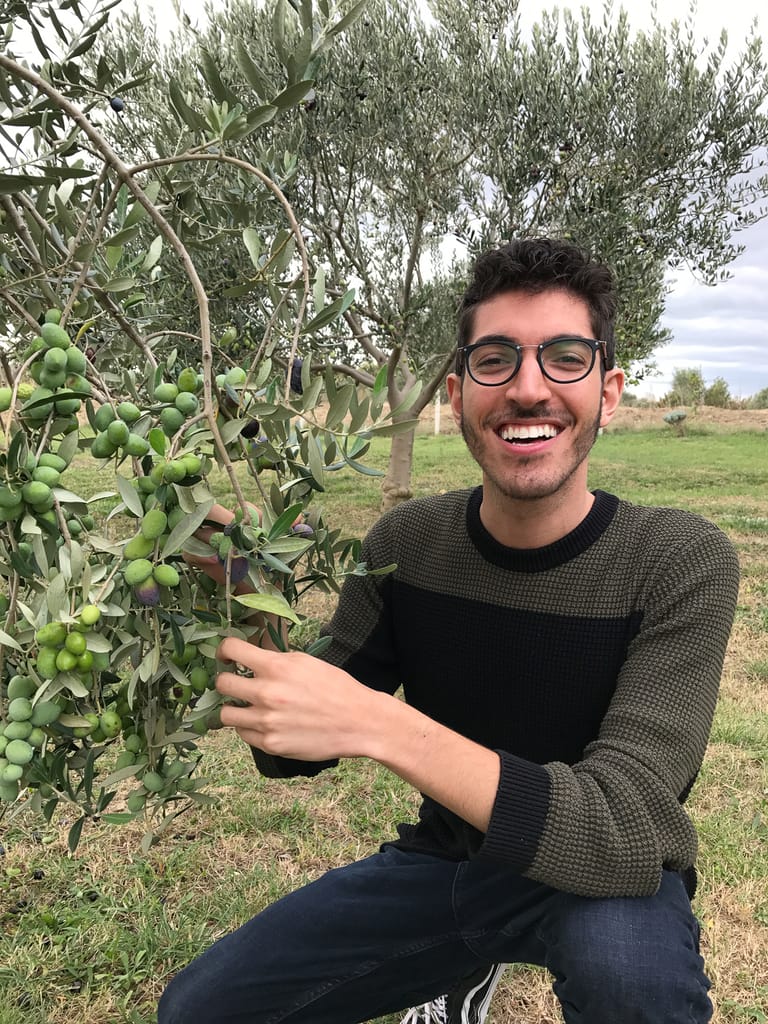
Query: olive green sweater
{"type": "Point", "coordinates": [591, 665]}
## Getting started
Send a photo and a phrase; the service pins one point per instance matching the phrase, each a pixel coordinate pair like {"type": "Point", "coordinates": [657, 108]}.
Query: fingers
{"type": "Point", "coordinates": [224, 516]}
{"type": "Point", "coordinates": [239, 688]}
{"type": "Point", "coordinates": [221, 515]}
{"type": "Point", "coordinates": [238, 718]}
{"type": "Point", "coordinates": [246, 654]}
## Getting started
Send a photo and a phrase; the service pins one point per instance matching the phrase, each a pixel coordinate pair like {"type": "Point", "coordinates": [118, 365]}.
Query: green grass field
{"type": "Point", "coordinates": [93, 938]}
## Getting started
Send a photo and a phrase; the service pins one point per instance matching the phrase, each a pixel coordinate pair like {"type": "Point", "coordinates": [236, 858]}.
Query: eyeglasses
{"type": "Point", "coordinates": [495, 361]}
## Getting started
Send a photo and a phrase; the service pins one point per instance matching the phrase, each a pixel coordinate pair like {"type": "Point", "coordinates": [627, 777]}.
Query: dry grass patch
{"type": "Point", "coordinates": [734, 948]}
{"type": "Point", "coordinates": [525, 996]}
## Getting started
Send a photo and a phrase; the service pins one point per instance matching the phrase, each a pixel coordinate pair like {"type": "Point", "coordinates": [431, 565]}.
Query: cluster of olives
{"type": "Point", "coordinates": [168, 775]}
{"type": "Point", "coordinates": [22, 733]}
{"type": "Point", "coordinates": [113, 432]}
{"type": "Point", "coordinates": [143, 575]}
{"type": "Point", "coordinates": [34, 491]}
{"type": "Point", "coordinates": [62, 648]}
{"type": "Point", "coordinates": [59, 372]}
{"type": "Point", "coordinates": [182, 470]}
{"type": "Point", "coordinates": [115, 436]}
{"type": "Point", "coordinates": [71, 697]}
{"type": "Point", "coordinates": [164, 779]}
{"type": "Point", "coordinates": [179, 400]}
{"type": "Point", "coordinates": [113, 425]}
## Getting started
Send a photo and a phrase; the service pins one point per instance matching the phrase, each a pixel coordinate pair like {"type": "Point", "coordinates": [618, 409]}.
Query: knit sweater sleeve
{"type": "Point", "coordinates": [606, 825]}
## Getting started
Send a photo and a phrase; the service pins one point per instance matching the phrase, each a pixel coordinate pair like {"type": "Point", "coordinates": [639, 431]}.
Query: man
{"type": "Point", "coordinates": [560, 654]}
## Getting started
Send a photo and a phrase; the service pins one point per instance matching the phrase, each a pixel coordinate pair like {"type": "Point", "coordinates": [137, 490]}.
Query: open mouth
{"type": "Point", "coordinates": [536, 433]}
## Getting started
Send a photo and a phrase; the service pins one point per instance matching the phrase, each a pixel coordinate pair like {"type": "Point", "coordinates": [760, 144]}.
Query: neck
{"type": "Point", "coordinates": [532, 523]}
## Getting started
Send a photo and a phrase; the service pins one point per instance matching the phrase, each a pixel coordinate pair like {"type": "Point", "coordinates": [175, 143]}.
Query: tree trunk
{"type": "Point", "coordinates": [396, 486]}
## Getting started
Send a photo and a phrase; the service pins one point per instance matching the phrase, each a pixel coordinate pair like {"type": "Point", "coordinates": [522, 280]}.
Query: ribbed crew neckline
{"type": "Point", "coordinates": [590, 529]}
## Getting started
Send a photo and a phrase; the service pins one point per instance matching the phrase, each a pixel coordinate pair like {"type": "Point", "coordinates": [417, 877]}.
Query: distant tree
{"type": "Point", "coordinates": [718, 394]}
{"type": "Point", "coordinates": [760, 400]}
{"type": "Point", "coordinates": [688, 388]}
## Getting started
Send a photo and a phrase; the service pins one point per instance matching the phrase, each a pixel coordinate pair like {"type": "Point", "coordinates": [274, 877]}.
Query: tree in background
{"type": "Point", "coordinates": [760, 400]}
{"type": "Point", "coordinates": [423, 142]}
{"type": "Point", "coordinates": [718, 394]}
{"type": "Point", "coordinates": [688, 388]}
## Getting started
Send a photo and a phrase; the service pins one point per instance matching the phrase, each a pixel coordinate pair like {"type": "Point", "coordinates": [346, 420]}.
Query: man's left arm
{"type": "Point", "coordinates": [607, 825]}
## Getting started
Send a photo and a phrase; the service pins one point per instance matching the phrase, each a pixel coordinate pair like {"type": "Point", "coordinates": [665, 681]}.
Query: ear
{"type": "Point", "coordinates": [453, 387]}
{"type": "Point", "coordinates": [613, 386]}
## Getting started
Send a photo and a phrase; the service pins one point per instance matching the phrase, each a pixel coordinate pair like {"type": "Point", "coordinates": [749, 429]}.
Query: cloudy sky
{"type": "Point", "coordinates": [721, 330]}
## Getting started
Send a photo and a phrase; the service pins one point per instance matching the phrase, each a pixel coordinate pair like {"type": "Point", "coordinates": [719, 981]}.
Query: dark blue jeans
{"type": "Point", "coordinates": [398, 929]}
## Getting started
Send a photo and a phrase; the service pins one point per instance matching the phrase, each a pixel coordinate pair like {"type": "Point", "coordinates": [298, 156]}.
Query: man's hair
{"type": "Point", "coordinates": [535, 265]}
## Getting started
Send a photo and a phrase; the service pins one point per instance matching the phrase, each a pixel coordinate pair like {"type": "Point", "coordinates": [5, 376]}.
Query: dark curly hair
{"type": "Point", "coordinates": [535, 265]}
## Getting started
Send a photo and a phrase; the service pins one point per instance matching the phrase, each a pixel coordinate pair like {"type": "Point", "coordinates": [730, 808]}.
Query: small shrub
{"type": "Point", "coordinates": [676, 420]}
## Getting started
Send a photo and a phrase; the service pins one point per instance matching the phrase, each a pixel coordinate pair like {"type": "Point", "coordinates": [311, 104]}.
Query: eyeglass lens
{"type": "Point", "coordinates": [562, 360]}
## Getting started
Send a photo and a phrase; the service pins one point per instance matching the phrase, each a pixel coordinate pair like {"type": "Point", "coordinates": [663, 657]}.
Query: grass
{"type": "Point", "coordinates": [93, 938]}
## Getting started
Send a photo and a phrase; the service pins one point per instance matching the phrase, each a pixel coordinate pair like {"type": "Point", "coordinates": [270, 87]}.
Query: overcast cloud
{"type": "Point", "coordinates": [721, 330]}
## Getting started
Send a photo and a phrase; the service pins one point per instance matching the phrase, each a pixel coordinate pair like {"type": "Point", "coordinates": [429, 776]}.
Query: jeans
{"type": "Point", "coordinates": [399, 928]}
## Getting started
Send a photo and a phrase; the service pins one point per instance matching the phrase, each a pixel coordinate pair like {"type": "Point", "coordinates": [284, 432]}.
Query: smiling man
{"type": "Point", "coordinates": [560, 653]}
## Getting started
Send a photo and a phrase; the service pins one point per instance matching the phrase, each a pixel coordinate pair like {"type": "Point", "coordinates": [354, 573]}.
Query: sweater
{"type": "Point", "coordinates": [591, 665]}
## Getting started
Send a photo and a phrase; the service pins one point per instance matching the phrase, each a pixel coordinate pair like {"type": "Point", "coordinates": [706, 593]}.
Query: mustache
{"type": "Point", "coordinates": [520, 413]}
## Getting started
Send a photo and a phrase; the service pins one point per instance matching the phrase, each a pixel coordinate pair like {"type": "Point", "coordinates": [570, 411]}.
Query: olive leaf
{"type": "Point", "coordinates": [270, 604]}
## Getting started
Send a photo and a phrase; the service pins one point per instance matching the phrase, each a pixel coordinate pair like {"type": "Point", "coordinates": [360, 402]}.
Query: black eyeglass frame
{"type": "Point", "coordinates": [463, 352]}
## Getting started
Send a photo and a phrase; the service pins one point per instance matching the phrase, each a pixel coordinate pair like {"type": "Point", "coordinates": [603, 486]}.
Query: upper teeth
{"type": "Point", "coordinates": [510, 433]}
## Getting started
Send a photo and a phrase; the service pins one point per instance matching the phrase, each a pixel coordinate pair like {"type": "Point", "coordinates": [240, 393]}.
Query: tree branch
{"type": "Point", "coordinates": [19, 310]}
{"type": "Point", "coordinates": [289, 214]}
{"type": "Point", "coordinates": [429, 389]}
{"type": "Point", "coordinates": [364, 337]}
{"type": "Point", "coordinates": [412, 261]}
{"type": "Point", "coordinates": [125, 174]}
{"type": "Point", "coordinates": [85, 278]}
{"type": "Point", "coordinates": [22, 232]}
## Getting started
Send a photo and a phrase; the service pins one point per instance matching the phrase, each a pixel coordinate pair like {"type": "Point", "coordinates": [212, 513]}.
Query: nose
{"type": "Point", "coordinates": [529, 386]}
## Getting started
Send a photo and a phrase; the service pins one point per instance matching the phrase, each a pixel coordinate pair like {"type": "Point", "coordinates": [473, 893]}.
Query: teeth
{"type": "Point", "coordinates": [541, 430]}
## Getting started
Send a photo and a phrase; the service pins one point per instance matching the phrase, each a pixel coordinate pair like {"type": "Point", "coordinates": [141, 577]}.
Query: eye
{"type": "Point", "coordinates": [491, 358]}
{"type": "Point", "coordinates": [568, 355]}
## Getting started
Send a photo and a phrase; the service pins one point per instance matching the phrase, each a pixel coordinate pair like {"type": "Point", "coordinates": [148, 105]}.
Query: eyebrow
{"type": "Point", "coordinates": [491, 338]}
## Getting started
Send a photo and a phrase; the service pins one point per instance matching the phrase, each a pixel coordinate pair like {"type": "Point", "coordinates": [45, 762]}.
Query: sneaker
{"type": "Point", "coordinates": [468, 1003]}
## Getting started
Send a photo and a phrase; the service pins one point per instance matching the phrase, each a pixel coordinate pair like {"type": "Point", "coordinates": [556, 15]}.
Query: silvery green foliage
{"type": "Point", "coordinates": [109, 243]}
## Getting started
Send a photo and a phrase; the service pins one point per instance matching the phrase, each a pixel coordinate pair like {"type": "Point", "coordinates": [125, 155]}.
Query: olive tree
{"type": "Point", "coordinates": [424, 141]}
{"type": "Point", "coordinates": [109, 628]}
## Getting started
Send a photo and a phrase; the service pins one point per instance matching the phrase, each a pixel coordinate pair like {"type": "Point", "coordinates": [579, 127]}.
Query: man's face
{"type": "Point", "coordinates": [531, 437]}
